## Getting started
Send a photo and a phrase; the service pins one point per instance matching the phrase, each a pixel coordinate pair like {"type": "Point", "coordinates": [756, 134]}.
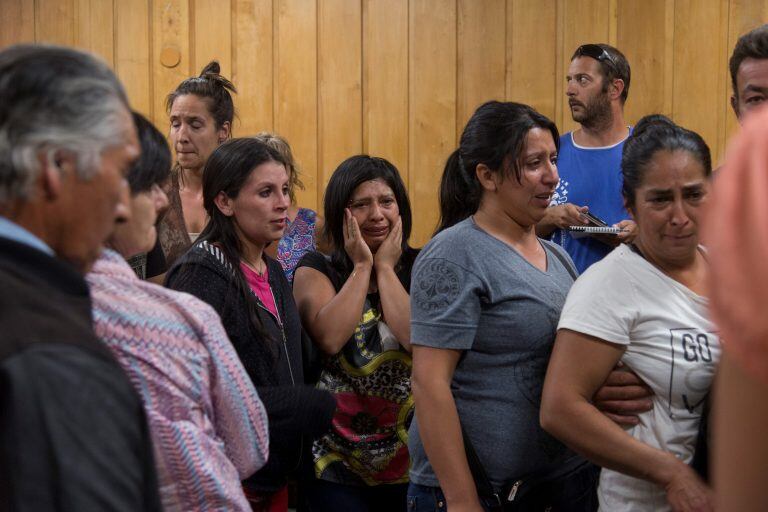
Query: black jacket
{"type": "Point", "coordinates": [73, 434]}
{"type": "Point", "coordinates": [297, 413]}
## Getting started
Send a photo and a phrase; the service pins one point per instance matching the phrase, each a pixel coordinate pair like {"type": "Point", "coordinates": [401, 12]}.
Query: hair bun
{"type": "Point", "coordinates": [212, 68]}
{"type": "Point", "coordinates": [651, 123]}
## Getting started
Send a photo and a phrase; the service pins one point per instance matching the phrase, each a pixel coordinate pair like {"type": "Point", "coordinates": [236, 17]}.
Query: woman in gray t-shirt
{"type": "Point", "coordinates": [486, 296]}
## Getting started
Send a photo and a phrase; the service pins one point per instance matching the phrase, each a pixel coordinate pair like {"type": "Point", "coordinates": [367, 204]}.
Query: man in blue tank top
{"type": "Point", "coordinates": [589, 161]}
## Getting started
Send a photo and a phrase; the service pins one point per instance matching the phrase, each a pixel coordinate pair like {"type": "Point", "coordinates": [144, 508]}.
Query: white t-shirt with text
{"type": "Point", "coordinates": [670, 343]}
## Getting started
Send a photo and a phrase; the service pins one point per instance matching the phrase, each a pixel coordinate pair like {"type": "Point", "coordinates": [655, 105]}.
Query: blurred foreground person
{"type": "Point", "coordinates": [739, 247]}
{"type": "Point", "coordinates": [208, 425]}
{"type": "Point", "coordinates": [73, 434]}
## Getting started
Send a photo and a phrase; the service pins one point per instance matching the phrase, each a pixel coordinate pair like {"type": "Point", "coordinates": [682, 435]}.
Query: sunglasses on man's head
{"type": "Point", "coordinates": [596, 52]}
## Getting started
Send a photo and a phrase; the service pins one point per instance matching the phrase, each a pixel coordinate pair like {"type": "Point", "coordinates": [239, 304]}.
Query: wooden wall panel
{"type": "Point", "coordinates": [643, 38]}
{"type": "Point", "coordinates": [575, 31]}
{"type": "Point", "coordinates": [54, 21]}
{"type": "Point", "coordinates": [385, 81]}
{"type": "Point", "coordinates": [531, 68]}
{"type": "Point", "coordinates": [91, 32]}
{"type": "Point", "coordinates": [340, 89]}
{"type": "Point", "coordinates": [212, 35]}
{"type": "Point", "coordinates": [132, 53]}
{"type": "Point", "coordinates": [481, 56]}
{"type": "Point", "coordinates": [17, 22]}
{"type": "Point", "coordinates": [296, 88]}
{"type": "Point", "coordinates": [252, 65]}
{"type": "Point", "coordinates": [171, 59]}
{"type": "Point", "coordinates": [432, 92]}
{"type": "Point", "coordinates": [700, 64]}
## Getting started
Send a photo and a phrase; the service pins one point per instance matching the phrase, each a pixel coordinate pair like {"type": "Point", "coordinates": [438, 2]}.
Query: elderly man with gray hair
{"type": "Point", "coordinates": [73, 435]}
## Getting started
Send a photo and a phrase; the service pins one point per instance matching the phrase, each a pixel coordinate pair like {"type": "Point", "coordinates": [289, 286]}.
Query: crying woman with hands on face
{"type": "Point", "coordinates": [355, 306]}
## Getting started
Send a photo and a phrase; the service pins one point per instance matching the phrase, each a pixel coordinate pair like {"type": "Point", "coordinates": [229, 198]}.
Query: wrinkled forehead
{"type": "Point", "coordinates": [585, 65]}
{"type": "Point", "coordinates": [752, 73]}
{"type": "Point", "coordinates": [191, 105]}
{"type": "Point", "coordinates": [371, 189]}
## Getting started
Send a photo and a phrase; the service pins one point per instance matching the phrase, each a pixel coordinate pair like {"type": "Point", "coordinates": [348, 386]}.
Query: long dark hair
{"type": "Point", "coordinates": [655, 133]}
{"type": "Point", "coordinates": [494, 136]}
{"type": "Point", "coordinates": [350, 174]}
{"type": "Point", "coordinates": [227, 169]}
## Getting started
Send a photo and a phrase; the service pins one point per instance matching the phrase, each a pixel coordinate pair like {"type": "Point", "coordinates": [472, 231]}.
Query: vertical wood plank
{"type": "Point", "coordinates": [170, 34]}
{"type": "Point", "coordinates": [94, 28]}
{"type": "Point", "coordinates": [212, 35]}
{"type": "Point", "coordinates": [669, 56]}
{"type": "Point", "coordinates": [744, 15]}
{"type": "Point", "coordinates": [432, 91]}
{"type": "Point", "coordinates": [252, 65]}
{"type": "Point", "coordinates": [532, 54]}
{"type": "Point", "coordinates": [481, 56]}
{"type": "Point", "coordinates": [699, 64]}
{"type": "Point", "coordinates": [17, 22]}
{"type": "Point", "coordinates": [55, 22]}
{"type": "Point", "coordinates": [385, 81]}
{"type": "Point", "coordinates": [340, 106]}
{"type": "Point", "coordinates": [296, 88]}
{"type": "Point", "coordinates": [640, 24]}
{"type": "Point", "coordinates": [132, 52]}
{"type": "Point", "coordinates": [583, 21]}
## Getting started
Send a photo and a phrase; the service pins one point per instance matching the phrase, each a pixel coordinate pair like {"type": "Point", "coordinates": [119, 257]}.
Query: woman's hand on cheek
{"type": "Point", "coordinates": [356, 248]}
{"type": "Point", "coordinates": [391, 248]}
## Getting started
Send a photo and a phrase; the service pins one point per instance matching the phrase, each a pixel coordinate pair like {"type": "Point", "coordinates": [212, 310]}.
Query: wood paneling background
{"type": "Point", "coordinates": [399, 78]}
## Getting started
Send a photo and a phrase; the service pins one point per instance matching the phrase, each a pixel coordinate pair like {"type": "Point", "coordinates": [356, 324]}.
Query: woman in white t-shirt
{"type": "Point", "coordinates": [644, 305]}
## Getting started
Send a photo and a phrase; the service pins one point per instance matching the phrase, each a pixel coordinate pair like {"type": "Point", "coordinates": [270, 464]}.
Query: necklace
{"type": "Point", "coordinates": [260, 273]}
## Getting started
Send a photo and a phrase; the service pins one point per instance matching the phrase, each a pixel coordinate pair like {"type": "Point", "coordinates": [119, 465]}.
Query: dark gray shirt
{"type": "Point", "coordinates": [473, 292]}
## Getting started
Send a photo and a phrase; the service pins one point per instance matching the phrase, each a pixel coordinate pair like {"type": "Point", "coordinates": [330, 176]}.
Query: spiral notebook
{"type": "Point", "coordinates": [588, 230]}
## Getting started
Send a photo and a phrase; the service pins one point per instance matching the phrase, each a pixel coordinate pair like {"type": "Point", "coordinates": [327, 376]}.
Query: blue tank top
{"type": "Point", "coordinates": [589, 177]}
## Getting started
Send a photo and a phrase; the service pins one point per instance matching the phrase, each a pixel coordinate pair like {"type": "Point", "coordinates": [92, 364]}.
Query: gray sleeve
{"type": "Point", "coordinates": [445, 304]}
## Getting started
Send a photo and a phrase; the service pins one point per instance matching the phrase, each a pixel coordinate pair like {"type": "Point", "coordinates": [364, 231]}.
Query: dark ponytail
{"type": "Point", "coordinates": [495, 137]}
{"type": "Point", "coordinates": [213, 87]}
{"type": "Point", "coordinates": [459, 197]}
{"type": "Point", "coordinates": [654, 133]}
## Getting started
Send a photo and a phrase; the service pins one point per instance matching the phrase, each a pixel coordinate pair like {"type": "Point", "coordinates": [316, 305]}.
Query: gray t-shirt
{"type": "Point", "coordinates": [472, 292]}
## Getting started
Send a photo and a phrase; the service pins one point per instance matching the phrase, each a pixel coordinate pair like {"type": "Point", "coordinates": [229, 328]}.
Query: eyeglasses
{"type": "Point", "coordinates": [597, 53]}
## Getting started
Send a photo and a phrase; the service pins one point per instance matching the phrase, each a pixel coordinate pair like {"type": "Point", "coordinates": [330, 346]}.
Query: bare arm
{"type": "Point", "coordinates": [561, 216]}
{"type": "Point", "coordinates": [439, 426]}
{"type": "Point", "coordinates": [567, 413]}
{"type": "Point", "coordinates": [740, 446]}
{"type": "Point", "coordinates": [330, 317]}
{"type": "Point", "coordinates": [395, 303]}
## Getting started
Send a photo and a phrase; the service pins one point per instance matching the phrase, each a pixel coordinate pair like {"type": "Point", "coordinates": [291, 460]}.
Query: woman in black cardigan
{"type": "Point", "coordinates": [245, 193]}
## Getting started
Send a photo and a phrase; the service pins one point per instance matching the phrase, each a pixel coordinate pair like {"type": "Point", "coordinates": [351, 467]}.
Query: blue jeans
{"type": "Point", "coordinates": [422, 498]}
{"type": "Point", "coordinates": [575, 493]}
